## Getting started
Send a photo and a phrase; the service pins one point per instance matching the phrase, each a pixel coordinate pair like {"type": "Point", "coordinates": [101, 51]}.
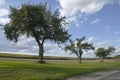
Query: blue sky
{"type": "Point", "coordinates": [98, 20]}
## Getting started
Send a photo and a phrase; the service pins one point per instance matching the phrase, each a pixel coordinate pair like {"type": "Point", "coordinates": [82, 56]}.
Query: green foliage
{"type": "Point", "coordinates": [38, 22]}
{"type": "Point", "coordinates": [103, 53]}
{"type": "Point", "coordinates": [100, 52]}
{"type": "Point", "coordinates": [78, 47]}
{"type": "Point", "coordinates": [110, 50]}
{"type": "Point", "coordinates": [117, 57]}
{"type": "Point", "coordinates": [35, 18]}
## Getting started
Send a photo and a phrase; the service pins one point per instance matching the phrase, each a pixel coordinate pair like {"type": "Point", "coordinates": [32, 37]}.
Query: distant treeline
{"type": "Point", "coordinates": [21, 56]}
{"type": "Point", "coordinates": [10, 55]}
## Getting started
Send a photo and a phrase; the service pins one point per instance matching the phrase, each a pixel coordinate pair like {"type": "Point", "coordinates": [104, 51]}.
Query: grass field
{"type": "Point", "coordinates": [29, 69]}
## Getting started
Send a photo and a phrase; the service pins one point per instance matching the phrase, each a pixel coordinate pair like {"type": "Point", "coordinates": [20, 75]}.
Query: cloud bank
{"type": "Point", "coordinates": [3, 13]}
{"type": "Point", "coordinates": [71, 7]}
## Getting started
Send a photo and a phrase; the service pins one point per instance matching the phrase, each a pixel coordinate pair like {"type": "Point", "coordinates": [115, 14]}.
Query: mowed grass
{"type": "Point", "coordinates": [18, 69]}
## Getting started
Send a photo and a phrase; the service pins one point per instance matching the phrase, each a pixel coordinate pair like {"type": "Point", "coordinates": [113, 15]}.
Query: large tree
{"type": "Point", "coordinates": [78, 47]}
{"type": "Point", "coordinates": [102, 53]}
{"type": "Point", "coordinates": [36, 21]}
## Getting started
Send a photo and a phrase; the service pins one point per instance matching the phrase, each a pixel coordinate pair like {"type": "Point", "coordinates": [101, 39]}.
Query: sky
{"type": "Point", "coordinates": [98, 20]}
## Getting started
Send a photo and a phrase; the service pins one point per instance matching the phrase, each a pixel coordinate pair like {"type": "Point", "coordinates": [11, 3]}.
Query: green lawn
{"type": "Point", "coordinates": [52, 70]}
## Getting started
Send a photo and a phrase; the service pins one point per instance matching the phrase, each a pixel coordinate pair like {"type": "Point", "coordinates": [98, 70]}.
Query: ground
{"type": "Point", "coordinates": [30, 69]}
{"type": "Point", "coordinates": [100, 75]}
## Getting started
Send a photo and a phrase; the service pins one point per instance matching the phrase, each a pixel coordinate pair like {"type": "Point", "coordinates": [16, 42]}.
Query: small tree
{"type": "Point", "coordinates": [109, 51]}
{"type": "Point", "coordinates": [38, 22]}
{"type": "Point", "coordinates": [117, 57]}
{"type": "Point", "coordinates": [102, 53]}
{"type": "Point", "coordinates": [78, 47]}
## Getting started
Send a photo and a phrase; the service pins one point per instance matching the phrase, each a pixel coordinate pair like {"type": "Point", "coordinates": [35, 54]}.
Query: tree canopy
{"type": "Point", "coordinates": [103, 53]}
{"type": "Point", "coordinates": [36, 21]}
{"type": "Point", "coordinates": [78, 47]}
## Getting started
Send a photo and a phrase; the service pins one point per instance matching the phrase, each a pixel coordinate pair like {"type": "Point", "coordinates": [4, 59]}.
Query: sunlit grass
{"type": "Point", "coordinates": [52, 70]}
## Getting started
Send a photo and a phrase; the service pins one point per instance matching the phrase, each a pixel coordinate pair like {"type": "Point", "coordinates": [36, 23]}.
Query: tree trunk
{"type": "Point", "coordinates": [41, 54]}
{"type": "Point", "coordinates": [101, 60]}
{"type": "Point", "coordinates": [41, 49]}
{"type": "Point", "coordinates": [79, 55]}
{"type": "Point", "coordinates": [80, 59]}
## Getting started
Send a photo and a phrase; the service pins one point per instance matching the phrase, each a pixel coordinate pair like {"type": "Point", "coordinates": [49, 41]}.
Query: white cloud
{"type": "Point", "coordinates": [4, 12]}
{"type": "Point", "coordinates": [3, 21]}
{"type": "Point", "coordinates": [117, 32]}
{"type": "Point", "coordinates": [71, 7]}
{"type": "Point", "coordinates": [91, 39]}
{"type": "Point", "coordinates": [77, 25]}
{"type": "Point", "coordinates": [35, 47]}
{"type": "Point", "coordinates": [29, 45]}
{"type": "Point", "coordinates": [2, 3]}
{"type": "Point", "coordinates": [95, 21]}
{"type": "Point", "coordinates": [77, 10]}
{"type": "Point", "coordinates": [89, 54]}
{"type": "Point", "coordinates": [22, 51]}
{"type": "Point", "coordinates": [102, 44]}
{"type": "Point", "coordinates": [117, 40]}
{"type": "Point", "coordinates": [23, 41]}
{"type": "Point", "coordinates": [73, 18]}
{"type": "Point", "coordinates": [117, 50]}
